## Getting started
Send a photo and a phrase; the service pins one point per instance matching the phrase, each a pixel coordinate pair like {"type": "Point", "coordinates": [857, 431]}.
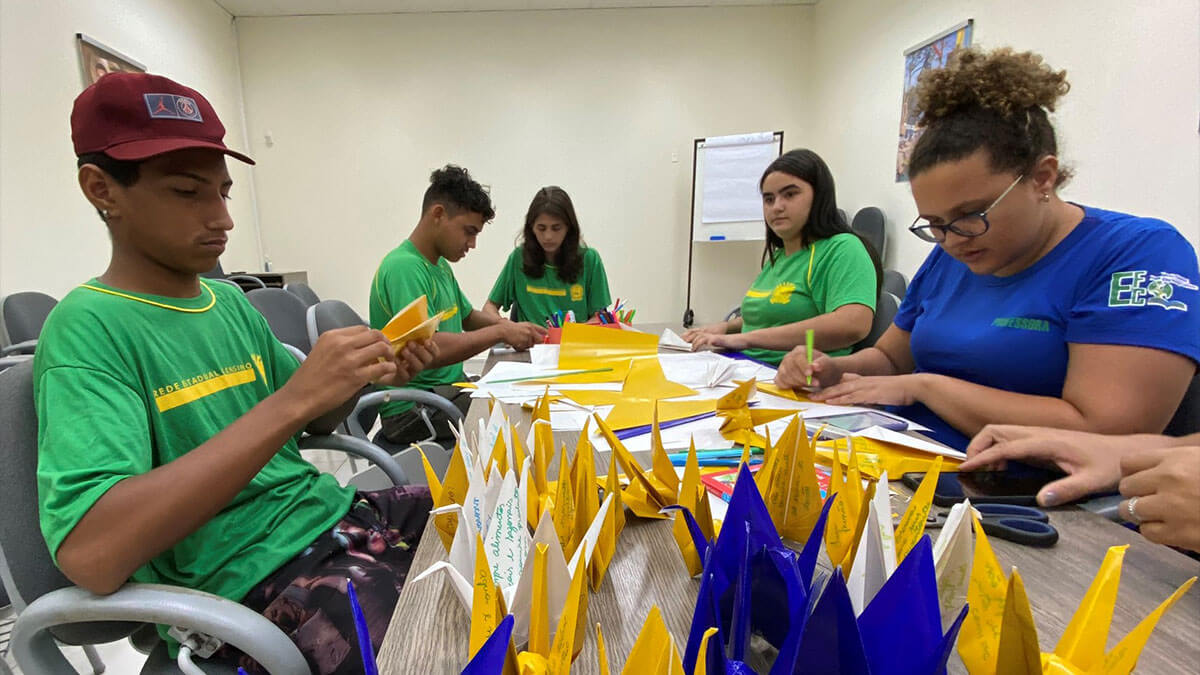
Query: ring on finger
{"type": "Point", "coordinates": [1131, 507]}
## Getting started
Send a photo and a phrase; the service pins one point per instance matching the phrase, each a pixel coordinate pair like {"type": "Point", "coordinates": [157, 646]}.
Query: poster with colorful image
{"type": "Point", "coordinates": [932, 53]}
{"type": "Point", "coordinates": [97, 60]}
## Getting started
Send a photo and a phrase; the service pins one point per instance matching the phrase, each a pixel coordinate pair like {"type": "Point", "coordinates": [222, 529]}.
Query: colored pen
{"type": "Point", "coordinates": [808, 350]}
{"type": "Point", "coordinates": [631, 313]}
{"type": "Point", "coordinates": [364, 634]}
{"type": "Point", "coordinates": [717, 453]}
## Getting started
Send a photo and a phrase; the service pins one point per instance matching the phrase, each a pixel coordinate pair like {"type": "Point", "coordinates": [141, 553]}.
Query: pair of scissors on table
{"type": "Point", "coordinates": [1019, 524]}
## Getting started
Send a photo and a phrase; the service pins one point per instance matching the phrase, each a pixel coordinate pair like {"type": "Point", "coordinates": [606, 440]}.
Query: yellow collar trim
{"type": "Point", "coordinates": [212, 299]}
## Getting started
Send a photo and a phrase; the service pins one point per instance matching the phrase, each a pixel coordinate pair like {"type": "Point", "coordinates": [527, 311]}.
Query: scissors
{"type": "Point", "coordinates": [1020, 524]}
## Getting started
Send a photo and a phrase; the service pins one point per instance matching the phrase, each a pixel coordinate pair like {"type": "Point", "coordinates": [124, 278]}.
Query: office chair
{"type": "Point", "coordinates": [895, 283]}
{"type": "Point", "coordinates": [50, 608]}
{"type": "Point", "coordinates": [21, 318]}
{"type": "Point", "coordinates": [885, 312]}
{"type": "Point", "coordinates": [330, 314]}
{"type": "Point", "coordinates": [250, 281]}
{"type": "Point", "coordinates": [1186, 420]}
{"type": "Point", "coordinates": [284, 313]}
{"type": "Point", "coordinates": [304, 292]}
{"type": "Point", "coordinates": [870, 224]}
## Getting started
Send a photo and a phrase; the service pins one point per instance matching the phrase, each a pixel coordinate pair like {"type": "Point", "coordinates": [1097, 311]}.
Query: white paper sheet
{"type": "Point", "coordinates": [671, 340]}
{"type": "Point", "coordinates": [507, 539]}
{"type": "Point", "coordinates": [731, 174]}
{"type": "Point", "coordinates": [907, 440]}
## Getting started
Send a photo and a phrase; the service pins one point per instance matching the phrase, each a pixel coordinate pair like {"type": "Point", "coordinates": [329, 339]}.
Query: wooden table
{"type": "Point", "coordinates": [430, 628]}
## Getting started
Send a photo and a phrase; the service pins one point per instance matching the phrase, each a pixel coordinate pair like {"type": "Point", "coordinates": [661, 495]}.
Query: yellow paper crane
{"type": "Point", "coordinates": [451, 491]}
{"type": "Point", "coordinates": [694, 498]}
{"type": "Point", "coordinates": [740, 419]}
{"type": "Point", "coordinates": [787, 482]}
{"type": "Point", "coordinates": [999, 635]}
{"type": "Point", "coordinates": [643, 389]}
{"type": "Point", "coordinates": [647, 493]}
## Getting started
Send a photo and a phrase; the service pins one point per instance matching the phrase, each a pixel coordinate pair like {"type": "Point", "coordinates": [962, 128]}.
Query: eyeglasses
{"type": "Point", "coordinates": [969, 225]}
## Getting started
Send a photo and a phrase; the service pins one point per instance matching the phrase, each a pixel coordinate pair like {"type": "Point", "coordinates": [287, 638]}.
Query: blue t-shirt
{"type": "Point", "coordinates": [1115, 279]}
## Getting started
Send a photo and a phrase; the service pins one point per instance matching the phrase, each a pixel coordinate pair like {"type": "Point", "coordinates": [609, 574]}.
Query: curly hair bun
{"type": "Point", "coordinates": [1002, 81]}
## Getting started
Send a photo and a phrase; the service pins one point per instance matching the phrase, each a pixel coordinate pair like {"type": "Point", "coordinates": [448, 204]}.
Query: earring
{"type": "Point", "coordinates": [104, 213]}
{"type": "Point", "coordinates": [1045, 196]}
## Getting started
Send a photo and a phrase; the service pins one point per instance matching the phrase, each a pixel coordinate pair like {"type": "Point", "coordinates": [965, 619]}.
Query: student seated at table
{"type": "Point", "coordinates": [1031, 309]}
{"type": "Point", "coordinates": [168, 413]}
{"type": "Point", "coordinates": [453, 212]}
{"type": "Point", "coordinates": [551, 270]}
{"type": "Point", "coordinates": [816, 273]}
{"type": "Point", "coordinates": [1158, 475]}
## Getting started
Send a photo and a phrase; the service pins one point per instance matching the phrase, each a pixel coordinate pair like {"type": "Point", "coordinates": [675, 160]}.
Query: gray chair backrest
{"type": "Point", "coordinates": [22, 315]}
{"type": "Point", "coordinates": [33, 572]}
{"type": "Point", "coordinates": [285, 315]}
{"type": "Point", "coordinates": [331, 314]}
{"type": "Point", "coordinates": [895, 283]}
{"type": "Point", "coordinates": [1187, 417]}
{"type": "Point", "coordinates": [869, 222]}
{"type": "Point", "coordinates": [304, 292]}
{"type": "Point", "coordinates": [885, 312]}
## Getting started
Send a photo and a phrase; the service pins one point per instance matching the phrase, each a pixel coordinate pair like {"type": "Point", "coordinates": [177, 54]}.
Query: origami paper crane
{"type": "Point", "coordinates": [644, 390]}
{"type": "Point", "coordinates": [752, 583]}
{"type": "Point", "coordinates": [1002, 637]}
{"type": "Point", "coordinates": [740, 419]}
{"type": "Point", "coordinates": [648, 492]}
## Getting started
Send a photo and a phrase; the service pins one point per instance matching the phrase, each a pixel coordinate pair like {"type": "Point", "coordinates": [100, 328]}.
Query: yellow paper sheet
{"type": "Point", "coordinates": [584, 347]}
{"type": "Point", "coordinates": [645, 387]}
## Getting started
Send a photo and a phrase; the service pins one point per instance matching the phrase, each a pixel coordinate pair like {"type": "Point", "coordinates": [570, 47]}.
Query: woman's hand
{"type": "Point", "coordinates": [795, 370]}
{"type": "Point", "coordinates": [873, 390]}
{"type": "Point", "coordinates": [732, 341]}
{"type": "Point", "coordinates": [1093, 461]}
{"type": "Point", "coordinates": [1166, 485]}
{"type": "Point", "coordinates": [711, 329]}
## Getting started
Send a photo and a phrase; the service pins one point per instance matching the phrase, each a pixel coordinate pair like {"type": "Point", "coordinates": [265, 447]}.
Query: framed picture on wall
{"type": "Point", "coordinates": [932, 53]}
{"type": "Point", "coordinates": [97, 60]}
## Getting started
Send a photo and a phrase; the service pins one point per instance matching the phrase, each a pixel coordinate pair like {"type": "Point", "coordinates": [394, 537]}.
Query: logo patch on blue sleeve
{"type": "Point", "coordinates": [172, 107]}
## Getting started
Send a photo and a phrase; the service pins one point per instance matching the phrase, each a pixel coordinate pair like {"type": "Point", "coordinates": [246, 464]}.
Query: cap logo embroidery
{"type": "Point", "coordinates": [172, 107]}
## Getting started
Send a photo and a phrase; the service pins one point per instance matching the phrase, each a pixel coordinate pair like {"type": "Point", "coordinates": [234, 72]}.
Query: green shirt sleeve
{"type": "Point", "coordinates": [504, 290]}
{"type": "Point", "coordinates": [93, 432]}
{"type": "Point", "coordinates": [845, 275]}
{"type": "Point", "coordinates": [596, 281]}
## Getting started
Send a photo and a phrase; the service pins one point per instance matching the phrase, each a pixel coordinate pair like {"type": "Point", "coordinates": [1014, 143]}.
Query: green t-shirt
{"type": "Point", "coordinates": [810, 282]}
{"type": "Point", "coordinates": [403, 276]}
{"type": "Point", "coordinates": [122, 387]}
{"type": "Point", "coordinates": [537, 299]}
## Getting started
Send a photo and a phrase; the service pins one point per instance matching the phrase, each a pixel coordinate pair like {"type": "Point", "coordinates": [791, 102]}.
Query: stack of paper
{"type": "Point", "coordinates": [671, 340]}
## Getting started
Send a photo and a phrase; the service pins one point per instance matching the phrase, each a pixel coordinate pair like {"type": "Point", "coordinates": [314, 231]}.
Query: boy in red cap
{"type": "Point", "coordinates": [168, 412]}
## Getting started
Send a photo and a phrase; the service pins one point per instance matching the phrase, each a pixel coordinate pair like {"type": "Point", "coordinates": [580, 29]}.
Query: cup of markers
{"type": "Point", "coordinates": [615, 316]}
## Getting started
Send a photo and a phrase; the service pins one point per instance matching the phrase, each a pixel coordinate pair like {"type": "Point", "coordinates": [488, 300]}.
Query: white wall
{"type": "Point", "coordinates": [361, 108]}
{"type": "Point", "coordinates": [1128, 126]}
{"type": "Point", "coordinates": [50, 237]}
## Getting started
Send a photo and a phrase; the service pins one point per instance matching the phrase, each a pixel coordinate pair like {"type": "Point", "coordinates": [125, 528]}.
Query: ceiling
{"type": "Point", "coordinates": [309, 7]}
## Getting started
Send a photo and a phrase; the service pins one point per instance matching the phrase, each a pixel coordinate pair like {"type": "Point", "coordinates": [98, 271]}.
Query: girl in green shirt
{"type": "Point", "coordinates": [552, 269]}
{"type": "Point", "coordinates": [816, 274]}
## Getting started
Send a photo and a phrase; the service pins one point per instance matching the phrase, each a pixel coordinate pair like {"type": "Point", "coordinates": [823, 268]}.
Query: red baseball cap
{"type": "Point", "coordinates": [135, 116]}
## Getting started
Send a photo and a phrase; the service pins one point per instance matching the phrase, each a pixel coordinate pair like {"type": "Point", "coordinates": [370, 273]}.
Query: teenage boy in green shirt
{"type": "Point", "coordinates": [453, 212]}
{"type": "Point", "coordinates": [168, 413]}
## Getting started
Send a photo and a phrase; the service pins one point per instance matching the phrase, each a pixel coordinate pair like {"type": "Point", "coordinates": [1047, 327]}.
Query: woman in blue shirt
{"type": "Point", "coordinates": [1031, 310]}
